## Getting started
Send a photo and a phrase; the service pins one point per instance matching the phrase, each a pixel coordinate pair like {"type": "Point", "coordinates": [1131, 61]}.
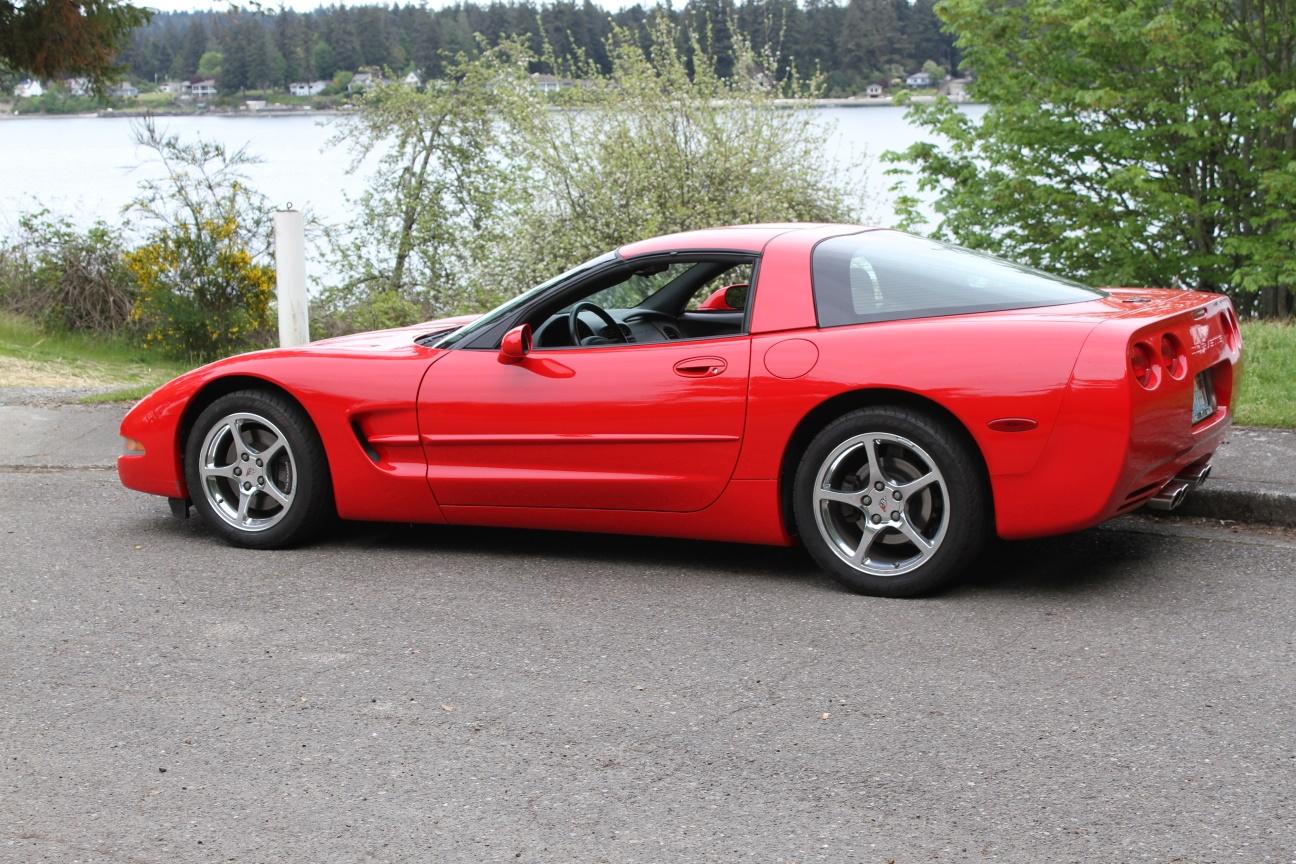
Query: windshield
{"type": "Point", "coordinates": [468, 330]}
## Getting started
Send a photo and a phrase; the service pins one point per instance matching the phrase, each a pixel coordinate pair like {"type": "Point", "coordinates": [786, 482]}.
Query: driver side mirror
{"type": "Point", "coordinates": [516, 344]}
{"type": "Point", "coordinates": [735, 296]}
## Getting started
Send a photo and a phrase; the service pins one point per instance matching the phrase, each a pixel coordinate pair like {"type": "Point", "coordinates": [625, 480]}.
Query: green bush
{"type": "Point", "coordinates": [65, 278]}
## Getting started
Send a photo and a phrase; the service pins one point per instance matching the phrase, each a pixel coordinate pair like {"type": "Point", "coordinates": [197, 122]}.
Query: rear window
{"type": "Point", "coordinates": [888, 275]}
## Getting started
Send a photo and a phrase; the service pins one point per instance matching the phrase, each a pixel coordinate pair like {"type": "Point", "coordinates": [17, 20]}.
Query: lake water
{"type": "Point", "coordinates": [90, 166]}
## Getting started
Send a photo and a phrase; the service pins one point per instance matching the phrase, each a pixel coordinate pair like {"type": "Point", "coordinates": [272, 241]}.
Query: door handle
{"type": "Point", "coordinates": [701, 367]}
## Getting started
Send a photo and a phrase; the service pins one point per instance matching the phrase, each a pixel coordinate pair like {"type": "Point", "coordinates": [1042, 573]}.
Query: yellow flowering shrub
{"type": "Point", "coordinates": [201, 292]}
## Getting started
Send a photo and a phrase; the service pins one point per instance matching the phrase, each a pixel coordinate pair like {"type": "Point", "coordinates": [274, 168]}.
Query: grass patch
{"type": "Point", "coordinates": [1268, 396]}
{"type": "Point", "coordinates": [30, 357]}
{"type": "Point", "coordinates": [124, 394]}
{"type": "Point", "coordinates": [124, 372]}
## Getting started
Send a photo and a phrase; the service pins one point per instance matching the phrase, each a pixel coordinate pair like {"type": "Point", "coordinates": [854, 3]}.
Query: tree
{"type": "Point", "coordinates": [189, 58]}
{"type": "Point", "coordinates": [869, 37]}
{"type": "Point", "coordinates": [323, 60]}
{"type": "Point", "coordinates": [209, 65]}
{"type": "Point", "coordinates": [480, 190]}
{"type": "Point", "coordinates": [292, 45]}
{"type": "Point", "coordinates": [425, 46]}
{"type": "Point", "coordinates": [430, 217]}
{"type": "Point", "coordinates": [235, 64]}
{"type": "Point", "coordinates": [342, 38]}
{"type": "Point", "coordinates": [204, 273]}
{"type": "Point", "coordinates": [59, 38]}
{"type": "Point", "coordinates": [1150, 143]}
{"type": "Point", "coordinates": [929, 42]}
{"type": "Point", "coordinates": [686, 151]}
{"type": "Point", "coordinates": [935, 71]}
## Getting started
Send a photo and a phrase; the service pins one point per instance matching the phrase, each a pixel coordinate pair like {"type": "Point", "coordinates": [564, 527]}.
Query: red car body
{"type": "Point", "coordinates": [698, 438]}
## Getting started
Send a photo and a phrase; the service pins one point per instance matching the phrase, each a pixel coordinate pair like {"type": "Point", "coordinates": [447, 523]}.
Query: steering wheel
{"type": "Point", "coordinates": [573, 322]}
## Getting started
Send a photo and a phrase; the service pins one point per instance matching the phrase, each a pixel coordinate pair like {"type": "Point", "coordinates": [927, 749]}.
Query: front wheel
{"type": "Point", "coordinates": [890, 502]}
{"type": "Point", "coordinates": [256, 470]}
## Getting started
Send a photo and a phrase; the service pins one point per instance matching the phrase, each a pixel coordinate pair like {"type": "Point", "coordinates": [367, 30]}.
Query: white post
{"type": "Point", "coordinates": [290, 272]}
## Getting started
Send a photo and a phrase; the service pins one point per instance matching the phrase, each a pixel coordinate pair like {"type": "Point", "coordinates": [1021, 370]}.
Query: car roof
{"type": "Point", "coordinates": [735, 238]}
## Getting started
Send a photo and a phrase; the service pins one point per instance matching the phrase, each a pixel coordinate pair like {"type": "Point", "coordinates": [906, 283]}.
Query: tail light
{"type": "Point", "coordinates": [1232, 332]}
{"type": "Point", "coordinates": [1144, 366]}
{"type": "Point", "coordinates": [1173, 357]}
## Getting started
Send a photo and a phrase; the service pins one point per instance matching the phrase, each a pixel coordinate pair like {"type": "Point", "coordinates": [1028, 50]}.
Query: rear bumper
{"type": "Point", "coordinates": [1118, 443]}
{"type": "Point", "coordinates": [1065, 494]}
{"type": "Point", "coordinates": [1188, 467]}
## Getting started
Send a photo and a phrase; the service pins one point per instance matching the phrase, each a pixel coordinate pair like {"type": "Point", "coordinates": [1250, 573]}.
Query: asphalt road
{"type": "Point", "coordinates": [436, 695]}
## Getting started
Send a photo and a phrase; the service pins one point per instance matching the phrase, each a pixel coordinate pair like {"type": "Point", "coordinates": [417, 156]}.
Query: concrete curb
{"type": "Point", "coordinates": [1240, 502]}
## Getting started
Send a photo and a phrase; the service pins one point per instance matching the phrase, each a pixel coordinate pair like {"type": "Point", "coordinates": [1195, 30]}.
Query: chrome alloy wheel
{"type": "Point", "coordinates": [248, 472]}
{"type": "Point", "coordinates": [881, 504]}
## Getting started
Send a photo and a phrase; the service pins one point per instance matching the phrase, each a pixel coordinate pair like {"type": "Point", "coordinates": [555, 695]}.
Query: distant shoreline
{"type": "Point", "coordinates": [843, 102]}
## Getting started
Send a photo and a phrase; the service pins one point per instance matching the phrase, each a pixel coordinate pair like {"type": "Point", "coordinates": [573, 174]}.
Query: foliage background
{"type": "Point", "coordinates": [487, 186]}
{"type": "Point", "coordinates": [852, 44]}
{"type": "Point", "coordinates": [1150, 142]}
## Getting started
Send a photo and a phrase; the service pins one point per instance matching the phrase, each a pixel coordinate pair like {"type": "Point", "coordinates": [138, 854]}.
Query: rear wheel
{"type": "Point", "coordinates": [890, 502]}
{"type": "Point", "coordinates": [256, 470]}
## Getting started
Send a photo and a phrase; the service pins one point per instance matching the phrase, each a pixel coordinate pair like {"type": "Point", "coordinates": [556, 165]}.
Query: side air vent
{"type": "Point", "coordinates": [364, 442]}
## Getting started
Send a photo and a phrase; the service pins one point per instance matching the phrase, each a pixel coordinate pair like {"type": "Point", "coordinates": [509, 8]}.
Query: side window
{"type": "Point", "coordinates": [637, 287]}
{"type": "Point", "coordinates": [648, 301]}
{"type": "Point", "coordinates": [889, 275]}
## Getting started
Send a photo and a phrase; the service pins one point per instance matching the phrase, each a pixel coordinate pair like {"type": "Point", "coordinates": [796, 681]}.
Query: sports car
{"type": "Point", "coordinates": [887, 401]}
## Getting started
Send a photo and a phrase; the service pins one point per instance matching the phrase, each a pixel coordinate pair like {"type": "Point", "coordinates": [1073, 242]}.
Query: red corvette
{"type": "Point", "coordinates": [885, 400]}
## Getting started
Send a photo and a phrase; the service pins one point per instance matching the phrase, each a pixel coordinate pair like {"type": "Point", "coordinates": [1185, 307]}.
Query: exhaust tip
{"type": "Point", "coordinates": [1170, 496]}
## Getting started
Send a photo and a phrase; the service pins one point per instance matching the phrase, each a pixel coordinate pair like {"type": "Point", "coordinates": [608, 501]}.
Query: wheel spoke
{"type": "Point", "coordinates": [236, 430]}
{"type": "Point", "coordinates": [271, 451]}
{"type": "Point", "coordinates": [245, 499]}
{"type": "Point", "coordinates": [284, 498]}
{"type": "Point", "coordinates": [850, 499]}
{"type": "Point", "coordinates": [921, 543]}
{"type": "Point", "coordinates": [875, 465]}
{"type": "Point", "coordinates": [866, 542]}
{"type": "Point", "coordinates": [217, 471]}
{"type": "Point", "coordinates": [914, 486]}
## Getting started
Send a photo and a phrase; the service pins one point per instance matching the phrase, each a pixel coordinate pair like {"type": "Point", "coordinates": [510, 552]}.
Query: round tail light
{"type": "Point", "coordinates": [1173, 357]}
{"type": "Point", "coordinates": [1232, 331]}
{"type": "Point", "coordinates": [1143, 364]}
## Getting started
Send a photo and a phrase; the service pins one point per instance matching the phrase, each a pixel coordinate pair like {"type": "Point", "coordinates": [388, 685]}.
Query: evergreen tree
{"type": "Point", "coordinates": [851, 42]}
{"type": "Point", "coordinates": [194, 45]}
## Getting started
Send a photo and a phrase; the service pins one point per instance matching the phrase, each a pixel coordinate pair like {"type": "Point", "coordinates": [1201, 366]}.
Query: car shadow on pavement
{"type": "Point", "coordinates": [1089, 561]}
{"type": "Point", "coordinates": [614, 549]}
{"type": "Point", "coordinates": [1092, 561]}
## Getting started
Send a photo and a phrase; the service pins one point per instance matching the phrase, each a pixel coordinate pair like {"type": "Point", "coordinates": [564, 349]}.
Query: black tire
{"type": "Point", "coordinates": [300, 472]}
{"type": "Point", "coordinates": [959, 525]}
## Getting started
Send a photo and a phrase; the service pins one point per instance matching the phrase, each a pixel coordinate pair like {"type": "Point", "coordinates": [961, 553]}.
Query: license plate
{"type": "Point", "coordinates": [1203, 396]}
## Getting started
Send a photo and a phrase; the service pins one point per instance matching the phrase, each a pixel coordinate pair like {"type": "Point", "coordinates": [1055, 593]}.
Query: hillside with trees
{"type": "Point", "coordinates": [852, 44]}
